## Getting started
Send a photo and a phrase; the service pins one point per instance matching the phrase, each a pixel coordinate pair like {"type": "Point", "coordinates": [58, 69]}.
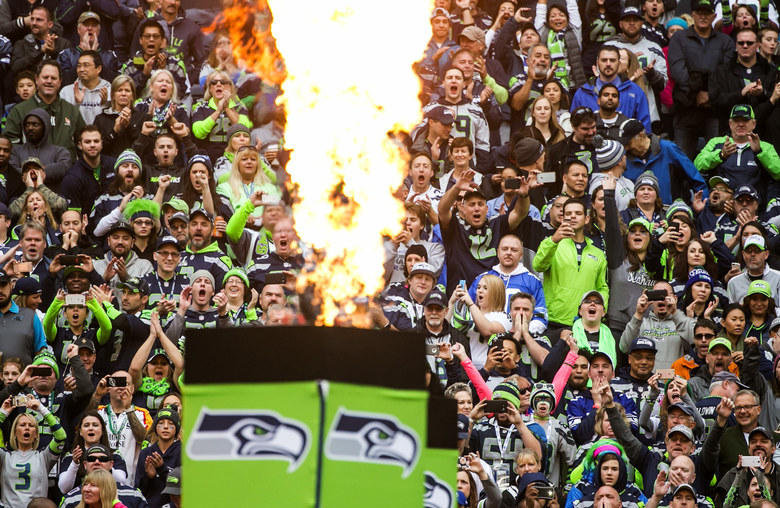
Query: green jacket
{"type": "Point", "coordinates": [564, 281]}
{"type": "Point", "coordinates": [66, 122]}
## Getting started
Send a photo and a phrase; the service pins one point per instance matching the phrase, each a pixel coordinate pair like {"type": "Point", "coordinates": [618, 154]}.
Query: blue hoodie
{"type": "Point", "coordinates": [633, 101]}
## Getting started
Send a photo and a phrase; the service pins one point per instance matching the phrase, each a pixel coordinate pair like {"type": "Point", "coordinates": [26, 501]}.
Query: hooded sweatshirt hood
{"type": "Point", "coordinates": [44, 117]}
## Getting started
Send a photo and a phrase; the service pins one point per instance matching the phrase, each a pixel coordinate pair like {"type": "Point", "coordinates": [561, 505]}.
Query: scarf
{"type": "Point", "coordinates": [606, 340]}
{"type": "Point", "coordinates": [157, 388]}
{"type": "Point", "coordinates": [557, 46]}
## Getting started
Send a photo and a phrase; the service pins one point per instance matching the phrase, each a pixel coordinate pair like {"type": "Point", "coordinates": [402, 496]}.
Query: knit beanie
{"type": "Point", "coordinates": [678, 205]}
{"type": "Point", "coordinates": [509, 391]}
{"type": "Point", "coordinates": [168, 413]}
{"type": "Point", "coordinates": [609, 153]}
{"type": "Point", "coordinates": [541, 389]}
{"type": "Point", "coordinates": [128, 156]}
{"type": "Point", "coordinates": [698, 274]}
{"type": "Point", "coordinates": [648, 178]}
{"type": "Point", "coordinates": [527, 151]}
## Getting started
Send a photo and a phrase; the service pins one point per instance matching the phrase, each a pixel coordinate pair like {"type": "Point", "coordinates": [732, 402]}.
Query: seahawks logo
{"type": "Point", "coordinates": [248, 435]}
{"type": "Point", "coordinates": [438, 494]}
{"type": "Point", "coordinates": [374, 438]}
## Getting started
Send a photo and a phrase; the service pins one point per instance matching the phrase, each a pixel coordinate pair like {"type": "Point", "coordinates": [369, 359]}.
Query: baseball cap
{"type": "Point", "coordinates": [27, 286]}
{"type": "Point", "coordinates": [438, 11]}
{"type": "Point", "coordinates": [630, 11]}
{"type": "Point", "coordinates": [4, 277]}
{"type": "Point", "coordinates": [173, 482]}
{"type": "Point", "coordinates": [719, 341]}
{"type": "Point", "coordinates": [71, 270]}
{"type": "Point", "coordinates": [601, 354]}
{"type": "Point", "coordinates": [441, 114]}
{"type": "Point", "coordinates": [135, 285]}
{"type": "Point", "coordinates": [203, 212]}
{"type": "Point", "coordinates": [527, 151]}
{"type": "Point", "coordinates": [167, 240]}
{"type": "Point", "coordinates": [643, 344]}
{"type": "Point", "coordinates": [121, 226]}
{"type": "Point", "coordinates": [592, 292]}
{"type": "Point", "coordinates": [435, 297]}
{"type": "Point", "coordinates": [684, 486]}
{"type": "Point", "coordinates": [630, 128]}
{"type": "Point", "coordinates": [715, 180]}
{"type": "Point", "coordinates": [742, 111]}
{"type": "Point", "coordinates": [761, 430]}
{"type": "Point", "coordinates": [641, 221]}
{"type": "Point", "coordinates": [474, 192]}
{"type": "Point", "coordinates": [98, 448]}
{"type": "Point", "coordinates": [725, 375]}
{"type": "Point", "coordinates": [88, 15]}
{"type": "Point", "coordinates": [32, 160]}
{"type": "Point", "coordinates": [85, 342]}
{"type": "Point", "coordinates": [746, 190]}
{"type": "Point", "coordinates": [759, 287]}
{"type": "Point", "coordinates": [177, 204]}
{"type": "Point", "coordinates": [682, 429]}
{"type": "Point", "coordinates": [682, 406]}
{"type": "Point", "coordinates": [4, 211]}
{"type": "Point", "coordinates": [756, 240]}
{"type": "Point", "coordinates": [463, 426]}
{"type": "Point", "coordinates": [157, 352]}
{"type": "Point", "coordinates": [423, 268]}
{"type": "Point", "coordinates": [473, 33]}
{"type": "Point", "coordinates": [775, 323]}
{"type": "Point", "coordinates": [702, 5]}
{"type": "Point", "coordinates": [180, 216]}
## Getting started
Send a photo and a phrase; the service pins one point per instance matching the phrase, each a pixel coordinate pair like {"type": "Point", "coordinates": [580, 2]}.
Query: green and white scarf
{"type": "Point", "coordinates": [557, 45]}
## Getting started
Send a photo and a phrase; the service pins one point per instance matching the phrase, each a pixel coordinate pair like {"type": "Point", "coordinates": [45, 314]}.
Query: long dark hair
{"type": "Point", "coordinates": [191, 196]}
{"type": "Point", "coordinates": [681, 267]}
{"type": "Point", "coordinates": [79, 441]}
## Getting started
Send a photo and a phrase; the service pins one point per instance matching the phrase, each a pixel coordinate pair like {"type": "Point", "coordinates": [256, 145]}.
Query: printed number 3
{"type": "Point", "coordinates": [24, 475]}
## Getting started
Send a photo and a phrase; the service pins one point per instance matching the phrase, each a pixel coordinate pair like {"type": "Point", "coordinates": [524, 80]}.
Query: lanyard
{"type": "Point", "coordinates": [249, 189]}
{"type": "Point", "coordinates": [111, 417]}
{"type": "Point", "coordinates": [502, 447]}
{"type": "Point", "coordinates": [49, 399]}
{"type": "Point", "coordinates": [173, 287]}
{"type": "Point", "coordinates": [235, 316]}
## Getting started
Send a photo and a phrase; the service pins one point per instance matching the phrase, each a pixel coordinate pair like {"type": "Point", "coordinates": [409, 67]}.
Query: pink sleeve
{"type": "Point", "coordinates": [476, 379]}
{"type": "Point", "coordinates": [562, 377]}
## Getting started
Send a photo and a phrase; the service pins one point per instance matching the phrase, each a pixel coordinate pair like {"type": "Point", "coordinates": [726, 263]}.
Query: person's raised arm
{"type": "Point", "coordinates": [170, 348]}
{"type": "Point", "coordinates": [140, 358]}
{"type": "Point", "coordinates": [463, 184]}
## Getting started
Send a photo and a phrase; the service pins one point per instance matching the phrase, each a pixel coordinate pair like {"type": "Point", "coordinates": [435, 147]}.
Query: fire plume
{"type": "Point", "coordinates": [349, 84]}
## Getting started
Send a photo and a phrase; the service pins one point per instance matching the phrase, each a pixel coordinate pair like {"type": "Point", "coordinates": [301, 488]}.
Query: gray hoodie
{"type": "Point", "coordinates": [55, 158]}
{"type": "Point", "coordinates": [672, 335]}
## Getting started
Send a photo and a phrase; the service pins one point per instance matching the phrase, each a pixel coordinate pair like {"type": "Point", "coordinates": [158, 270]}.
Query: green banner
{"type": "Point", "coordinates": [259, 441]}
{"type": "Point", "coordinates": [439, 477]}
{"type": "Point", "coordinates": [374, 440]}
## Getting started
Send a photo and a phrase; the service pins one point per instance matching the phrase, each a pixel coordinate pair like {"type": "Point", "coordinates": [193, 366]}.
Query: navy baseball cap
{"type": "Point", "coordinates": [631, 11]}
{"type": "Point", "coordinates": [441, 114]}
{"type": "Point", "coordinates": [27, 286]}
{"type": "Point", "coordinates": [643, 344]}
{"type": "Point", "coordinates": [435, 297]}
{"type": "Point", "coordinates": [167, 240]}
{"type": "Point", "coordinates": [746, 190]}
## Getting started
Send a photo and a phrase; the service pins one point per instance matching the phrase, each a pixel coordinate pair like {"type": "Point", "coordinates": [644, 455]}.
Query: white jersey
{"type": "Point", "coordinates": [25, 475]}
{"type": "Point", "coordinates": [120, 435]}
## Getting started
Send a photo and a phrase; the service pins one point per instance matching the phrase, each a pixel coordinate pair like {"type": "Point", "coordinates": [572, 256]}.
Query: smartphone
{"type": "Point", "coordinates": [24, 267]}
{"type": "Point", "coordinates": [512, 183]}
{"type": "Point", "coordinates": [431, 349]}
{"type": "Point", "coordinates": [276, 278]}
{"type": "Point", "coordinates": [116, 382]}
{"type": "Point", "coordinates": [751, 461]}
{"type": "Point", "coordinates": [496, 406]}
{"type": "Point", "coordinates": [43, 371]}
{"type": "Point", "coordinates": [462, 284]}
{"type": "Point", "coordinates": [656, 295]}
{"type": "Point", "coordinates": [547, 177]}
{"type": "Point", "coordinates": [736, 266]}
{"type": "Point", "coordinates": [463, 464]}
{"type": "Point", "coordinates": [666, 373]}
{"type": "Point", "coordinates": [20, 400]}
{"type": "Point", "coordinates": [674, 226]}
{"type": "Point", "coordinates": [545, 492]}
{"type": "Point", "coordinates": [68, 260]}
{"type": "Point", "coordinates": [77, 299]}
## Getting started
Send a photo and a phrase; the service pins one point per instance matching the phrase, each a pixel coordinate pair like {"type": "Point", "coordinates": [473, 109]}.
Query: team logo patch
{"type": "Point", "coordinates": [248, 435]}
{"type": "Point", "coordinates": [372, 437]}
{"type": "Point", "coordinates": [438, 494]}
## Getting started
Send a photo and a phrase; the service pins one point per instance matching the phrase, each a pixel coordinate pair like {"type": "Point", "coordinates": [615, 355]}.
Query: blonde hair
{"type": "Point", "coordinates": [25, 215]}
{"type": "Point", "coordinates": [236, 184]}
{"type": "Point", "coordinates": [15, 442]}
{"type": "Point", "coordinates": [601, 415]}
{"type": "Point", "coordinates": [155, 76]}
{"type": "Point", "coordinates": [527, 453]}
{"type": "Point", "coordinates": [495, 300]}
{"type": "Point", "coordinates": [553, 122]}
{"type": "Point", "coordinates": [118, 82]}
{"type": "Point", "coordinates": [215, 75]}
{"type": "Point", "coordinates": [104, 481]}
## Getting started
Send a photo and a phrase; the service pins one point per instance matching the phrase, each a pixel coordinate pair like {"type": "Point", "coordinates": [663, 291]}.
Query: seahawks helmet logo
{"type": "Point", "coordinates": [248, 435]}
{"type": "Point", "coordinates": [372, 437]}
{"type": "Point", "coordinates": [438, 494]}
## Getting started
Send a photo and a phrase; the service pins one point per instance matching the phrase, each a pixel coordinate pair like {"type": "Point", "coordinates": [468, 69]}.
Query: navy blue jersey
{"type": "Point", "coordinates": [161, 289]}
{"type": "Point", "coordinates": [471, 251]}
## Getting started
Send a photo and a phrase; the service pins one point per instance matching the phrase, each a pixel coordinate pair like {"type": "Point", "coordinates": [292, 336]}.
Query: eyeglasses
{"type": "Point", "coordinates": [745, 43]}
{"type": "Point", "coordinates": [707, 336]}
{"type": "Point", "coordinates": [153, 37]}
{"type": "Point", "coordinates": [95, 458]}
{"type": "Point", "coordinates": [588, 301]}
{"type": "Point", "coordinates": [143, 222]}
{"type": "Point", "coordinates": [739, 409]}
{"type": "Point", "coordinates": [223, 82]}
{"type": "Point", "coordinates": [168, 254]}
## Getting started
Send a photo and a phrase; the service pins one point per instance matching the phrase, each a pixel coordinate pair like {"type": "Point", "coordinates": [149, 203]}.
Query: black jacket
{"type": "Point", "coordinates": [726, 84]}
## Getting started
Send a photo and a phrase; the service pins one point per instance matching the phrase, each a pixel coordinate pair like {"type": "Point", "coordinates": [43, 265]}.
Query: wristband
{"type": "Point", "coordinates": [596, 406]}
{"type": "Point", "coordinates": [569, 364]}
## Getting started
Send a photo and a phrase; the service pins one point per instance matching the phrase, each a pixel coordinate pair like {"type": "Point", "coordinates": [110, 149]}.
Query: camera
{"type": "Point", "coordinates": [116, 382]}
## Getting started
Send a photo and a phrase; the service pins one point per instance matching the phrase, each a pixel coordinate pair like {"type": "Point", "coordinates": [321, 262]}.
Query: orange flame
{"type": "Point", "coordinates": [344, 92]}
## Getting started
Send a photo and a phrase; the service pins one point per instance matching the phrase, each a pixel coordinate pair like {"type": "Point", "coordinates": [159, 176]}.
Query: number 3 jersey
{"type": "Point", "coordinates": [471, 251]}
{"type": "Point", "coordinates": [25, 475]}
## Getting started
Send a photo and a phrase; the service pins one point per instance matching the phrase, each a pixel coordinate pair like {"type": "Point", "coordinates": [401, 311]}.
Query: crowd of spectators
{"type": "Point", "coordinates": [589, 245]}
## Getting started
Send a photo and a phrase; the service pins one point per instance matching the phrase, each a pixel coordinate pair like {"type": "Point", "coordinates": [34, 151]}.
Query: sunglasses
{"type": "Point", "coordinates": [523, 391]}
{"type": "Point", "coordinates": [745, 43]}
{"type": "Point", "coordinates": [582, 111]}
{"type": "Point", "coordinates": [704, 336]}
{"type": "Point", "coordinates": [223, 82]}
{"type": "Point", "coordinates": [247, 147]}
{"type": "Point", "coordinates": [96, 458]}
